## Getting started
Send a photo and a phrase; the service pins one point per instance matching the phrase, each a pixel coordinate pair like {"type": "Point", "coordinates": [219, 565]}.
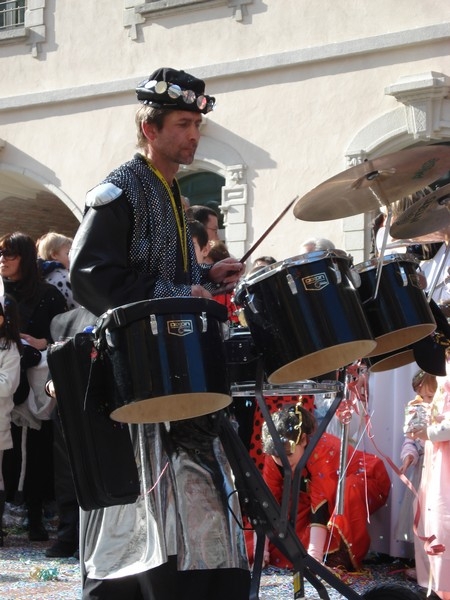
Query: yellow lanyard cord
{"type": "Point", "coordinates": [181, 222]}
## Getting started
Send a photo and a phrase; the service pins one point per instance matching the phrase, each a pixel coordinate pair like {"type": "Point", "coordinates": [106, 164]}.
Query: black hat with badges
{"type": "Point", "coordinates": [172, 89]}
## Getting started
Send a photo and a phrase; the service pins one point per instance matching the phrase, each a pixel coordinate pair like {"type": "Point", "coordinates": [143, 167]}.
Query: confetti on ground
{"type": "Point", "coordinates": [26, 573]}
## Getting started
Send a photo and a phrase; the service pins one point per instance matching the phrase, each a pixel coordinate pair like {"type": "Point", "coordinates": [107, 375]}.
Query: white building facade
{"type": "Point", "coordinates": [304, 91]}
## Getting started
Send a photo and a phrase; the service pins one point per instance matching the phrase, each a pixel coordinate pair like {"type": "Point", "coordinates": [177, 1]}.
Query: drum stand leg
{"type": "Point", "coordinates": [258, 556]}
{"type": "Point", "coordinates": [267, 517]}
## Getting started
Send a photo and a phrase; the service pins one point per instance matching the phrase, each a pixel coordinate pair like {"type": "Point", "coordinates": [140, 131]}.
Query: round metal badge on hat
{"type": "Point", "coordinates": [172, 89]}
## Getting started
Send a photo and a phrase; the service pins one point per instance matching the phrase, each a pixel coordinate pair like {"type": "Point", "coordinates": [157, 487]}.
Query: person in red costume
{"type": "Point", "coordinates": [337, 540]}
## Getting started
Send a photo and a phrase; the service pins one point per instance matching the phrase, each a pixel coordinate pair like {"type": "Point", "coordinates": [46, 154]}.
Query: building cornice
{"type": "Point", "coordinates": [258, 64]}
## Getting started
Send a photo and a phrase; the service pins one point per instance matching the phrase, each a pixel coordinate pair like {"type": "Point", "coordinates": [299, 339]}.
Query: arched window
{"type": "Point", "coordinates": [204, 188]}
{"type": "Point", "coordinates": [222, 169]}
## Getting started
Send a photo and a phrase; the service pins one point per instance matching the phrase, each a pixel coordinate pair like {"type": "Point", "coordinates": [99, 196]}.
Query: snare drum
{"type": "Point", "coordinates": [400, 314]}
{"type": "Point", "coordinates": [305, 316]}
{"type": "Point", "coordinates": [168, 359]}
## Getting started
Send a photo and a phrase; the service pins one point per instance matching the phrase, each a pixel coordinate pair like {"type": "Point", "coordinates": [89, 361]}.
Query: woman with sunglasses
{"type": "Point", "coordinates": [38, 302]}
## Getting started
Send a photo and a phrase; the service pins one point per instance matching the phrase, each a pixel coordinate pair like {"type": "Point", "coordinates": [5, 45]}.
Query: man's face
{"type": "Point", "coordinates": [212, 227]}
{"type": "Point", "coordinates": [178, 139]}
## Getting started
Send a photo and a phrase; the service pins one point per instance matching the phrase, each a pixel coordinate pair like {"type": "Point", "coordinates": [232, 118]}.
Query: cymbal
{"type": "Point", "coordinates": [399, 244]}
{"type": "Point", "coordinates": [431, 238]}
{"type": "Point", "coordinates": [428, 218]}
{"type": "Point", "coordinates": [374, 183]}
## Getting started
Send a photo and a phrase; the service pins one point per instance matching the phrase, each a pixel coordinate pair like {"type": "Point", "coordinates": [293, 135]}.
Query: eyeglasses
{"type": "Point", "coordinates": [7, 255]}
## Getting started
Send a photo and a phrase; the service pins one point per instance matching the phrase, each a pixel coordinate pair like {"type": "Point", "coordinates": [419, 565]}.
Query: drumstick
{"type": "Point", "coordinates": [228, 288]}
{"type": "Point", "coordinates": [267, 231]}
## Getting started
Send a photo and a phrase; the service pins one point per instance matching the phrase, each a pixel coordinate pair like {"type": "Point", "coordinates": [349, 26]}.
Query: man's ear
{"type": "Point", "coordinates": [149, 130]}
{"type": "Point", "coordinates": [2, 320]}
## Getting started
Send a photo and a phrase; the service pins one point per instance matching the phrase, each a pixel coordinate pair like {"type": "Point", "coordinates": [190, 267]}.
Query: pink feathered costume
{"type": "Point", "coordinates": [434, 496]}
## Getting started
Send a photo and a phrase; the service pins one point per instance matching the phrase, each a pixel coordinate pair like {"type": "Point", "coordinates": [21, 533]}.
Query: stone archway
{"type": "Point", "coordinates": [33, 205]}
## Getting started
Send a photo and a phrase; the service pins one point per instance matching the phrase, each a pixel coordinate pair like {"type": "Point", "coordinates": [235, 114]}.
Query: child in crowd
{"type": "Point", "coordinates": [53, 259]}
{"type": "Point", "coordinates": [433, 539]}
{"type": "Point", "coordinates": [200, 240]}
{"type": "Point", "coordinates": [417, 413]}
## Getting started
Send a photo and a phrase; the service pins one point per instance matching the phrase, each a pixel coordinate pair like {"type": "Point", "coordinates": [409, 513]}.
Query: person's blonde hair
{"type": "Point", "coordinates": [51, 243]}
{"type": "Point", "coordinates": [423, 378]}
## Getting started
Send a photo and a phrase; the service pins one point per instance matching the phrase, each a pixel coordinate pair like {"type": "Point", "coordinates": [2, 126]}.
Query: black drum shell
{"type": "Point", "coordinates": [241, 355]}
{"type": "Point", "coordinates": [178, 370]}
{"type": "Point", "coordinates": [398, 314]}
{"type": "Point", "coordinates": [305, 312]}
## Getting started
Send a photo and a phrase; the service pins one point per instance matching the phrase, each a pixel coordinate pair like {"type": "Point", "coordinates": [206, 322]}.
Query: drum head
{"type": "Point", "coordinates": [372, 263]}
{"type": "Point", "coordinates": [270, 270]}
{"type": "Point", "coordinates": [137, 311]}
{"type": "Point", "coordinates": [386, 362]}
{"type": "Point", "coordinates": [174, 407]}
{"type": "Point", "coordinates": [399, 338]}
{"type": "Point", "coordinates": [259, 275]}
{"type": "Point", "coordinates": [310, 257]}
{"type": "Point", "coordinates": [317, 363]}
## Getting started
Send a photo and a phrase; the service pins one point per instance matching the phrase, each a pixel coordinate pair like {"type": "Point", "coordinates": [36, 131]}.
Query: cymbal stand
{"type": "Point", "coordinates": [268, 518]}
{"type": "Point", "coordinates": [344, 414]}
{"type": "Point", "coordinates": [376, 189]}
{"type": "Point", "coordinates": [387, 229]}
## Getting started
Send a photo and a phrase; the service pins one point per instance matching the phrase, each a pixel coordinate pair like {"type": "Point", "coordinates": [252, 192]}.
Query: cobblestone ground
{"type": "Point", "coordinates": [26, 573]}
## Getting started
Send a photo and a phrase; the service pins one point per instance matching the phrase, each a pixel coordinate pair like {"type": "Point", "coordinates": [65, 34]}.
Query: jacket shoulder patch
{"type": "Point", "coordinates": [102, 194]}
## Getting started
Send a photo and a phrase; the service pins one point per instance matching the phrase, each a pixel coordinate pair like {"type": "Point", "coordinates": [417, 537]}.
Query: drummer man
{"type": "Point", "coordinates": [178, 539]}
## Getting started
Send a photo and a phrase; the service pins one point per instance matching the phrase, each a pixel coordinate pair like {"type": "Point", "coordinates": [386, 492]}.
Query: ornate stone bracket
{"type": "Point", "coordinates": [233, 207]}
{"type": "Point", "coordinates": [138, 12]}
{"type": "Point", "coordinates": [423, 96]}
{"type": "Point", "coordinates": [239, 7]}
